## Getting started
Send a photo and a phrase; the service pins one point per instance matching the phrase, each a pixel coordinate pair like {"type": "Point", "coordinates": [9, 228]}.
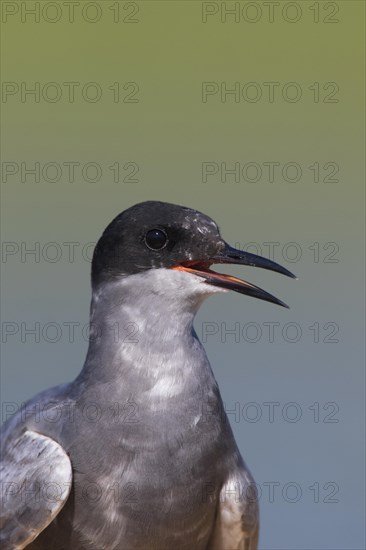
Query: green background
{"type": "Point", "coordinates": [169, 132]}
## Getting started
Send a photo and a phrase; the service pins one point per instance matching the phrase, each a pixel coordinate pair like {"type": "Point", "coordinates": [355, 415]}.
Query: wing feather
{"type": "Point", "coordinates": [237, 518]}
{"type": "Point", "coordinates": [35, 481]}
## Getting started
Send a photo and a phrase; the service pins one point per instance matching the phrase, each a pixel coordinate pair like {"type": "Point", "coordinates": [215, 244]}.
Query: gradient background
{"type": "Point", "coordinates": [169, 133]}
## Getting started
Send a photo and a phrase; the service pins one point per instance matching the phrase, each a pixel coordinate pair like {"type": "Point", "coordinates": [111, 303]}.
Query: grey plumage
{"type": "Point", "coordinates": [137, 450]}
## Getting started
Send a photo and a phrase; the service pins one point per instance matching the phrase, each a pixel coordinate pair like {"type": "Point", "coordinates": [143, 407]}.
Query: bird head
{"type": "Point", "coordinates": [181, 241]}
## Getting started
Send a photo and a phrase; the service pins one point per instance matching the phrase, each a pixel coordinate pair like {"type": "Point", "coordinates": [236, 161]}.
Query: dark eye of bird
{"type": "Point", "coordinates": [156, 239]}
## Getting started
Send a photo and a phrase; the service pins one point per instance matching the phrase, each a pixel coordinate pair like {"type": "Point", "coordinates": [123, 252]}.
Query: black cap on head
{"type": "Point", "coordinates": [153, 234]}
{"type": "Point", "coordinates": [157, 234]}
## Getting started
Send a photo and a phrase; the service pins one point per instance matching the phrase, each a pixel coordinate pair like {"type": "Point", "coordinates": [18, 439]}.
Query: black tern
{"type": "Point", "coordinates": [137, 452]}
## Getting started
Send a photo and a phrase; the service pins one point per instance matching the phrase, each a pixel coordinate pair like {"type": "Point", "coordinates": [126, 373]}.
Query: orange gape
{"type": "Point", "coordinates": [221, 276]}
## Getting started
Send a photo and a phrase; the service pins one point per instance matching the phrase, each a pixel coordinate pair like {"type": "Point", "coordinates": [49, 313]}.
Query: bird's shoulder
{"type": "Point", "coordinates": [43, 413]}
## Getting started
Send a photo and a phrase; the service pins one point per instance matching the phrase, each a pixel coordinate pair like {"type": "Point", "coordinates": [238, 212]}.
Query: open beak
{"type": "Point", "coordinates": [231, 255]}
